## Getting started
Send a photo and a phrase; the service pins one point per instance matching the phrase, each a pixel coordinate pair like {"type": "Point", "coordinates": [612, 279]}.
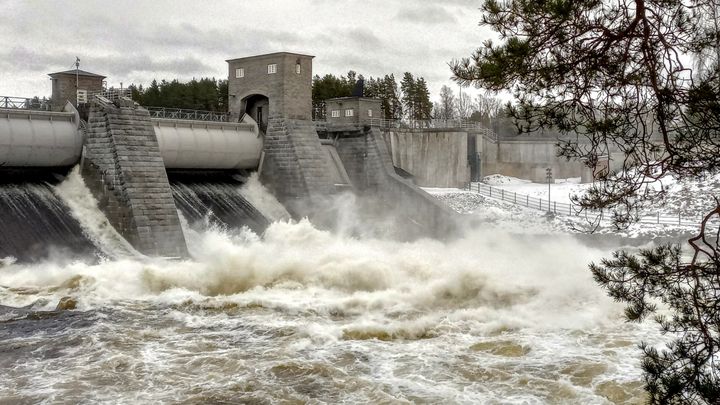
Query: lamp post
{"type": "Point", "coordinates": [77, 81]}
{"type": "Point", "coordinates": [549, 177]}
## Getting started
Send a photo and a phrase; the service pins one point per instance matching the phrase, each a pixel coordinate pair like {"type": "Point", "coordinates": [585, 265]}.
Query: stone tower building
{"type": "Point", "coordinates": [67, 85]}
{"type": "Point", "coordinates": [271, 86]}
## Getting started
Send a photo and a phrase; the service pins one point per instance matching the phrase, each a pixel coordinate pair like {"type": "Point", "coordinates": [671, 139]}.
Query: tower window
{"type": "Point", "coordinates": [349, 112]}
{"type": "Point", "coordinates": [369, 113]}
{"type": "Point", "coordinates": [297, 68]}
{"type": "Point", "coordinates": [240, 72]}
{"type": "Point", "coordinates": [272, 68]}
{"type": "Point", "coordinates": [335, 113]}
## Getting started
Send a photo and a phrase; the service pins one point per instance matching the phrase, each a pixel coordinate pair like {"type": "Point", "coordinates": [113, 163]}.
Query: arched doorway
{"type": "Point", "coordinates": [258, 107]}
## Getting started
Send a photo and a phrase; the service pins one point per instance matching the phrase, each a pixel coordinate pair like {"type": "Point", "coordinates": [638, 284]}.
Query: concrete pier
{"type": "Point", "coordinates": [124, 169]}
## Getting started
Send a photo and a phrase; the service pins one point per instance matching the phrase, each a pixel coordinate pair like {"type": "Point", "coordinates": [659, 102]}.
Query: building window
{"type": "Point", "coordinates": [297, 68]}
{"type": "Point", "coordinates": [369, 113]}
{"type": "Point", "coordinates": [349, 112]}
{"type": "Point", "coordinates": [272, 68]}
{"type": "Point", "coordinates": [82, 96]}
{"type": "Point", "coordinates": [335, 113]}
{"type": "Point", "coordinates": [240, 72]}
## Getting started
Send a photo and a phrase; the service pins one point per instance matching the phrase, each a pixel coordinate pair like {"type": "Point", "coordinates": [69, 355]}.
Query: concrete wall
{"type": "Point", "coordinates": [124, 170]}
{"type": "Point", "coordinates": [369, 164]}
{"type": "Point", "coordinates": [436, 158]}
{"type": "Point", "coordinates": [527, 158]}
{"type": "Point", "coordinates": [439, 158]}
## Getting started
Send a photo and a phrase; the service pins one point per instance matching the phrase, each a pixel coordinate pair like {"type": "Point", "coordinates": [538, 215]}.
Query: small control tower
{"type": "Point", "coordinates": [74, 86]}
{"type": "Point", "coordinates": [353, 110]}
{"type": "Point", "coordinates": [275, 85]}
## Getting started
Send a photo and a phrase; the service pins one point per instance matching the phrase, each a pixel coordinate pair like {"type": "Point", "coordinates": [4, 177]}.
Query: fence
{"type": "Point", "coordinates": [564, 209]}
{"type": "Point", "coordinates": [24, 103]}
{"type": "Point", "coordinates": [183, 114]}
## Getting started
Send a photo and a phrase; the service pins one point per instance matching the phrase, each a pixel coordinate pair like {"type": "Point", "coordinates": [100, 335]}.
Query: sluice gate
{"type": "Point", "coordinates": [39, 138]}
{"type": "Point", "coordinates": [124, 156]}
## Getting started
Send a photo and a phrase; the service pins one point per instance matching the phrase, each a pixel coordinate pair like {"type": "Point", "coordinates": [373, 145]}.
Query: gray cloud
{"type": "Point", "coordinates": [136, 41]}
{"type": "Point", "coordinates": [119, 65]}
{"type": "Point", "coordinates": [426, 15]}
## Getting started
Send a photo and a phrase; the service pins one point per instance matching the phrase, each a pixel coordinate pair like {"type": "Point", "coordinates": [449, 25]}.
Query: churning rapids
{"type": "Point", "coordinates": [304, 315]}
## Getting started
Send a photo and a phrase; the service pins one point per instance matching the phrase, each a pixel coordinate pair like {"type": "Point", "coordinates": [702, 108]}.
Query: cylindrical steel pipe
{"type": "Point", "coordinates": [208, 145]}
{"type": "Point", "coordinates": [39, 139]}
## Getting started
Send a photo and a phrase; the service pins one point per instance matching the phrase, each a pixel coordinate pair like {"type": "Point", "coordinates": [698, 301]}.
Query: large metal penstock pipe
{"type": "Point", "coordinates": [39, 138]}
{"type": "Point", "coordinates": [53, 139]}
{"type": "Point", "coordinates": [208, 145]}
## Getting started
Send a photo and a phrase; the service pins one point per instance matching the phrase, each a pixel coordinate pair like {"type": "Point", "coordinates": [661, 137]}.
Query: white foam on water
{"type": "Point", "coordinates": [73, 191]}
{"type": "Point", "coordinates": [486, 275]}
{"type": "Point", "coordinates": [260, 198]}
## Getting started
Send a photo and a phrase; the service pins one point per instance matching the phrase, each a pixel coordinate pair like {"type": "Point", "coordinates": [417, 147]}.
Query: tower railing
{"type": "Point", "coordinates": [111, 93]}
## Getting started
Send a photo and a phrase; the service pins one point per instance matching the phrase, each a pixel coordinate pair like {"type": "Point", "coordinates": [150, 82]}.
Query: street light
{"type": "Point", "coordinates": [549, 177]}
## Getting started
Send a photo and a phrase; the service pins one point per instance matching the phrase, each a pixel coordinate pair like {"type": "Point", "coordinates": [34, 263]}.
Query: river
{"type": "Point", "coordinates": [304, 315]}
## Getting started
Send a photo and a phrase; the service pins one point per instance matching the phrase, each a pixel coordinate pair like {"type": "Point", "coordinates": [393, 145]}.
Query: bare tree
{"type": "Point", "coordinates": [463, 106]}
{"type": "Point", "coordinates": [446, 107]}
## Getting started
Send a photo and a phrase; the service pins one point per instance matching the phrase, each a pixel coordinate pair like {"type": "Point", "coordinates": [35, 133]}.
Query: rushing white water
{"type": "Point", "coordinates": [94, 223]}
{"type": "Point", "coordinates": [305, 315]}
{"type": "Point", "coordinates": [262, 199]}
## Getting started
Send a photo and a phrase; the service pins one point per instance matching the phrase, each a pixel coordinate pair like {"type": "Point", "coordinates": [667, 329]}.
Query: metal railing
{"type": "Point", "coordinates": [184, 114]}
{"type": "Point", "coordinates": [417, 124]}
{"type": "Point", "coordinates": [110, 94]}
{"type": "Point", "coordinates": [432, 123]}
{"type": "Point", "coordinates": [565, 209]}
{"type": "Point", "coordinates": [24, 103]}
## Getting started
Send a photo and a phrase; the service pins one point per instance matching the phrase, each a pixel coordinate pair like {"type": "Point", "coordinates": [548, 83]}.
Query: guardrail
{"type": "Point", "coordinates": [184, 114]}
{"type": "Point", "coordinates": [565, 209]}
{"type": "Point", "coordinates": [24, 103]}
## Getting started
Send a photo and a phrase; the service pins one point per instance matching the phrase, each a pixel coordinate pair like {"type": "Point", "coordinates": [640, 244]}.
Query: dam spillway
{"type": "Point", "coordinates": [124, 167]}
{"type": "Point", "coordinates": [127, 158]}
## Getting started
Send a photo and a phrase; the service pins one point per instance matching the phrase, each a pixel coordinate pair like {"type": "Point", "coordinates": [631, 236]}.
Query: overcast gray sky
{"type": "Point", "coordinates": [136, 41]}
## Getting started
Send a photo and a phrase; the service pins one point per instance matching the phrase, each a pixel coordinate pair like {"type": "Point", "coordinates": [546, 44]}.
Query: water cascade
{"type": "Point", "coordinates": [215, 196]}
{"type": "Point", "coordinates": [35, 222]}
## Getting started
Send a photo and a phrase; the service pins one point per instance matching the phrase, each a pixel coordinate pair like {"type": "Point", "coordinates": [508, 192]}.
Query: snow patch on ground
{"type": "Point", "coordinates": [560, 191]}
{"type": "Point", "coordinates": [499, 179]}
{"type": "Point", "coordinates": [687, 197]}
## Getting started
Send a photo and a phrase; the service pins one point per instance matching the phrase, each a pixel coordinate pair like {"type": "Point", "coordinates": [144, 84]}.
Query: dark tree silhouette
{"type": "Point", "coordinates": [616, 73]}
{"type": "Point", "coordinates": [205, 94]}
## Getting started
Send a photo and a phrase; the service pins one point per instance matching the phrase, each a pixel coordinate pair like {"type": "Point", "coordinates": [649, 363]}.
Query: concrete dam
{"type": "Point", "coordinates": [144, 170]}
